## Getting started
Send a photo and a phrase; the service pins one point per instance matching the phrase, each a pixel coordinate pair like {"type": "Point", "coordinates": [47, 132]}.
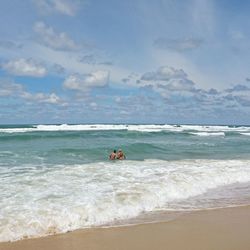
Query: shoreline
{"type": "Point", "coordinates": [224, 228]}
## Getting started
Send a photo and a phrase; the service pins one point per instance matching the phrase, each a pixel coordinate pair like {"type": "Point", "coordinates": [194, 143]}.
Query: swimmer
{"type": "Point", "coordinates": [120, 155]}
{"type": "Point", "coordinates": [113, 155]}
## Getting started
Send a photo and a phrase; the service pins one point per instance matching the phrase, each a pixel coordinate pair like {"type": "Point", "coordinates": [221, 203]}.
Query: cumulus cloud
{"type": "Point", "coordinates": [88, 59]}
{"type": "Point", "coordinates": [243, 100]}
{"type": "Point", "coordinates": [25, 67]}
{"type": "Point", "coordinates": [92, 59]}
{"type": "Point", "coordinates": [42, 98]}
{"type": "Point", "coordinates": [8, 88]}
{"type": "Point", "coordinates": [126, 80]}
{"type": "Point", "coordinates": [238, 88]}
{"type": "Point", "coordinates": [178, 44]}
{"type": "Point", "coordinates": [57, 69]}
{"type": "Point", "coordinates": [84, 83]}
{"type": "Point", "coordinates": [65, 7]}
{"type": "Point", "coordinates": [133, 77]}
{"type": "Point", "coordinates": [178, 91]}
{"type": "Point", "coordinates": [12, 89]}
{"type": "Point", "coordinates": [167, 80]}
{"type": "Point", "coordinates": [164, 74]}
{"type": "Point", "coordinates": [239, 93]}
{"type": "Point", "coordinates": [212, 91]}
{"type": "Point", "coordinates": [52, 39]}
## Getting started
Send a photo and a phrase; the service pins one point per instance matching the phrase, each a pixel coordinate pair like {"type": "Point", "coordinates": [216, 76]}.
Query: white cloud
{"type": "Point", "coordinates": [65, 7]}
{"type": "Point", "coordinates": [164, 73]}
{"type": "Point", "coordinates": [11, 89]}
{"type": "Point", "coordinates": [176, 85]}
{"type": "Point", "coordinates": [180, 85]}
{"type": "Point", "coordinates": [88, 59]}
{"type": "Point", "coordinates": [67, 59]}
{"type": "Point", "coordinates": [58, 41]}
{"type": "Point", "coordinates": [8, 88]}
{"type": "Point", "coordinates": [25, 67]}
{"type": "Point", "coordinates": [202, 76]}
{"type": "Point", "coordinates": [42, 98]}
{"type": "Point", "coordinates": [239, 93]}
{"type": "Point", "coordinates": [167, 79]}
{"type": "Point", "coordinates": [179, 91]}
{"type": "Point", "coordinates": [84, 83]}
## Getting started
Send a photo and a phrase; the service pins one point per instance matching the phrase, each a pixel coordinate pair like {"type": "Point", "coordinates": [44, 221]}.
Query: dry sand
{"type": "Point", "coordinates": [221, 229]}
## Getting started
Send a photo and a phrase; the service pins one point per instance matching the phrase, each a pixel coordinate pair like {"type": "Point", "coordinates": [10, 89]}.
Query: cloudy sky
{"type": "Point", "coordinates": [133, 61]}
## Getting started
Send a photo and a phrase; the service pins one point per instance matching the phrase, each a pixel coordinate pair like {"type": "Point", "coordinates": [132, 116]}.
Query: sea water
{"type": "Point", "coordinates": [57, 178]}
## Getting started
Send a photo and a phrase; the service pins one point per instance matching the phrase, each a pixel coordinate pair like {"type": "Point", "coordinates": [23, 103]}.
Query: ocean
{"type": "Point", "coordinates": [58, 178]}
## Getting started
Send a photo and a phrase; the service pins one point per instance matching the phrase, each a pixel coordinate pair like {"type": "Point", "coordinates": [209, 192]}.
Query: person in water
{"type": "Point", "coordinates": [120, 155]}
{"type": "Point", "coordinates": [113, 155]}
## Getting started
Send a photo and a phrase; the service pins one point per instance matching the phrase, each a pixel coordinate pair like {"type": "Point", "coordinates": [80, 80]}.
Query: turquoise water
{"type": "Point", "coordinates": [57, 147]}
{"type": "Point", "coordinates": [59, 176]}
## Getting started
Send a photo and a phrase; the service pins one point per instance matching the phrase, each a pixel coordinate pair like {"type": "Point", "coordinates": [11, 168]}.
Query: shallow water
{"type": "Point", "coordinates": [56, 178]}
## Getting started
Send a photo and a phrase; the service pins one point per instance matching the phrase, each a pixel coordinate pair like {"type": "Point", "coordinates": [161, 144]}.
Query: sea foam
{"type": "Point", "coordinates": [208, 133]}
{"type": "Point", "coordinates": [129, 127]}
{"type": "Point", "coordinates": [48, 199]}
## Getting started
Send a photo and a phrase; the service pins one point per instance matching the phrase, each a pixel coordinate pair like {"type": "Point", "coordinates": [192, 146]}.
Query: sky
{"type": "Point", "coordinates": [133, 61]}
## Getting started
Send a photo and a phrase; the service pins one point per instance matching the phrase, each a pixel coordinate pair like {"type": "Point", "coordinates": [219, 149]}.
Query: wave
{"type": "Point", "coordinates": [139, 128]}
{"type": "Point", "coordinates": [248, 134]}
{"type": "Point", "coordinates": [58, 198]}
{"type": "Point", "coordinates": [208, 133]}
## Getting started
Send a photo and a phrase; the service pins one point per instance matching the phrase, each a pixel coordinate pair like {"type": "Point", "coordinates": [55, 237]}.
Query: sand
{"type": "Point", "coordinates": [219, 229]}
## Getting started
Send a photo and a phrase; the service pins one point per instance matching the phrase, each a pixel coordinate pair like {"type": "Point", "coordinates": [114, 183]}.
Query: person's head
{"type": "Point", "coordinates": [114, 151]}
{"type": "Point", "coordinates": [119, 150]}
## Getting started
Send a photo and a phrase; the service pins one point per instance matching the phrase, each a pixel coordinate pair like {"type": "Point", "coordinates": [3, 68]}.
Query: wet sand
{"type": "Point", "coordinates": [220, 229]}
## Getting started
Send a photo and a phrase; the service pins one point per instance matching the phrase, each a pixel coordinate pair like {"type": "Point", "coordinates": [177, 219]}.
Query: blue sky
{"type": "Point", "coordinates": [141, 61]}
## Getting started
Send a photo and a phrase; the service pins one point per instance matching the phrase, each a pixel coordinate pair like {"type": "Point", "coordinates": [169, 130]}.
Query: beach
{"type": "Point", "coordinates": [124, 125]}
{"type": "Point", "coordinates": [226, 228]}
